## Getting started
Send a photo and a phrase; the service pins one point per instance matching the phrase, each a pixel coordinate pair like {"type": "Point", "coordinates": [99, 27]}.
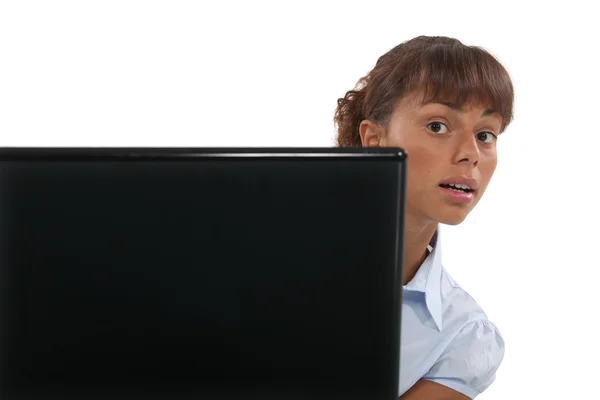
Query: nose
{"type": "Point", "coordinates": [467, 150]}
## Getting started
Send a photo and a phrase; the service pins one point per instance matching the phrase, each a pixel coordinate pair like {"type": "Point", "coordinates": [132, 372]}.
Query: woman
{"type": "Point", "coordinates": [445, 104]}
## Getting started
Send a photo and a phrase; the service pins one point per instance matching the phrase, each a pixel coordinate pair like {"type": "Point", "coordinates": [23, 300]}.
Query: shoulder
{"type": "Point", "coordinates": [458, 306]}
{"type": "Point", "coordinates": [475, 350]}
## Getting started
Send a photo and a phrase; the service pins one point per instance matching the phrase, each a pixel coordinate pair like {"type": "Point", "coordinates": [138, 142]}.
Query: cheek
{"type": "Point", "coordinates": [420, 153]}
{"type": "Point", "coordinates": [424, 158]}
{"type": "Point", "coordinates": [422, 164]}
{"type": "Point", "coordinates": [488, 167]}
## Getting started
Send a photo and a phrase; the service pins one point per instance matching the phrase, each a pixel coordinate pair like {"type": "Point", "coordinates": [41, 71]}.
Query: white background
{"type": "Point", "coordinates": [256, 73]}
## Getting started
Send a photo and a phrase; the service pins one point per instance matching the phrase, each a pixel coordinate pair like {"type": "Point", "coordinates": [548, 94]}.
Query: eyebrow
{"type": "Point", "coordinates": [456, 107]}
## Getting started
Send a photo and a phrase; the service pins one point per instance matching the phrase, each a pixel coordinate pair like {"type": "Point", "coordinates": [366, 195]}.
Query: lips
{"type": "Point", "coordinates": [468, 184]}
{"type": "Point", "coordinates": [457, 196]}
{"type": "Point", "coordinates": [459, 189]}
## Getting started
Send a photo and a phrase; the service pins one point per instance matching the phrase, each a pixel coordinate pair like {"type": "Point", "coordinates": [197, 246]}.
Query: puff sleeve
{"type": "Point", "coordinates": [470, 361]}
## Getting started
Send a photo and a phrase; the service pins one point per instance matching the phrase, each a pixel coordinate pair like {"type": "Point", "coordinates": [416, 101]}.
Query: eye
{"type": "Point", "coordinates": [486, 137]}
{"type": "Point", "coordinates": [437, 127]}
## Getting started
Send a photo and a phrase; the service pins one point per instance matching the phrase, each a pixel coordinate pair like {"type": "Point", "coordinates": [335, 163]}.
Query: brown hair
{"type": "Point", "coordinates": [441, 68]}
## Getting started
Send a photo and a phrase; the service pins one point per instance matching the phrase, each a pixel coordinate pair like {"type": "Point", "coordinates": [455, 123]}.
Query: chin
{"type": "Point", "coordinates": [453, 214]}
{"type": "Point", "coordinates": [451, 222]}
{"type": "Point", "coordinates": [452, 218]}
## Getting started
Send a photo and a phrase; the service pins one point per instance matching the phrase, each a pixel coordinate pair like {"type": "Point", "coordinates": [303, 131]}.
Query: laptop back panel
{"type": "Point", "coordinates": [200, 273]}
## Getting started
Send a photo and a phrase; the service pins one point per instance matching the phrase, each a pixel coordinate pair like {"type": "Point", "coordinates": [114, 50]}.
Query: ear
{"type": "Point", "coordinates": [371, 133]}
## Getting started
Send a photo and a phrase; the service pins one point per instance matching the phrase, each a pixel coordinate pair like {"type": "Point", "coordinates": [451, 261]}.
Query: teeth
{"type": "Point", "coordinates": [460, 186]}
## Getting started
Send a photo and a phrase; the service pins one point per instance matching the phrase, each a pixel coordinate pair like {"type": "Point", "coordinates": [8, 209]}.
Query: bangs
{"type": "Point", "coordinates": [463, 75]}
{"type": "Point", "coordinates": [432, 69]}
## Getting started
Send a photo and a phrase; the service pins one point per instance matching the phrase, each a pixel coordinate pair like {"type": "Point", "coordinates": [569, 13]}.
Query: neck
{"type": "Point", "coordinates": [417, 236]}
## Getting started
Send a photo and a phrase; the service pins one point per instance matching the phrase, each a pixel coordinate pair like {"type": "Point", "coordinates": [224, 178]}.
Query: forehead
{"type": "Point", "coordinates": [415, 102]}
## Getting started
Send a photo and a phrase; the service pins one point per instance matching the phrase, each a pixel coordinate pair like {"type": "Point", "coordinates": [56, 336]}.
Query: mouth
{"type": "Point", "coordinates": [457, 187]}
{"type": "Point", "coordinates": [458, 193]}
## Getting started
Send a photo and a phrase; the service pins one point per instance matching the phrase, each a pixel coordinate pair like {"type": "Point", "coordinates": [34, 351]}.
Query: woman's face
{"type": "Point", "coordinates": [447, 147]}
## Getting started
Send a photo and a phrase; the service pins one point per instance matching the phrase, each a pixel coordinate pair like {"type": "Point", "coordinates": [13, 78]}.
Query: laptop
{"type": "Point", "coordinates": [200, 273]}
